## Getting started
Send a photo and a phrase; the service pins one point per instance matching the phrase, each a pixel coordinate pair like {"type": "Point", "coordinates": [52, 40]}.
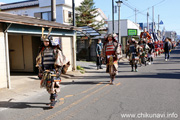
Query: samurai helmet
{"type": "Point", "coordinates": [46, 37]}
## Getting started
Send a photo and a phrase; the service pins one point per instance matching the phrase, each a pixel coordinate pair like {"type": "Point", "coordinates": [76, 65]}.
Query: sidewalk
{"type": "Point", "coordinates": [24, 86]}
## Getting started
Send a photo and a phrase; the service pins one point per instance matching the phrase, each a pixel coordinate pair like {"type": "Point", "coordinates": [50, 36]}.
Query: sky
{"type": "Point", "coordinates": [167, 9]}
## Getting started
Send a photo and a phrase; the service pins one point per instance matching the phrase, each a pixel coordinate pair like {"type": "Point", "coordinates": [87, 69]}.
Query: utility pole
{"type": "Point", "coordinates": [153, 19]}
{"type": "Point", "coordinates": [112, 16]}
{"type": "Point", "coordinates": [148, 20]}
{"type": "Point", "coordinates": [53, 10]}
{"type": "Point", "coordinates": [73, 9]}
{"type": "Point", "coordinates": [119, 21]}
{"type": "Point", "coordinates": [158, 21]}
{"type": "Point", "coordinates": [135, 16]}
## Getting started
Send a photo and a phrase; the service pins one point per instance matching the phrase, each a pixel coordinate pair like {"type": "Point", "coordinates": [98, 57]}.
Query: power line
{"type": "Point", "coordinates": [141, 12]}
{"type": "Point", "coordinates": [159, 3]}
{"type": "Point", "coordinates": [129, 6]}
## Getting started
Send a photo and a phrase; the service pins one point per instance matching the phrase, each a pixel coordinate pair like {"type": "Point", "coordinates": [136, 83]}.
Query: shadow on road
{"type": "Point", "coordinates": [158, 75]}
{"type": "Point", "coordinates": [84, 82]}
{"type": "Point", "coordinates": [23, 105]}
{"type": "Point", "coordinates": [168, 69]}
{"type": "Point", "coordinates": [35, 78]}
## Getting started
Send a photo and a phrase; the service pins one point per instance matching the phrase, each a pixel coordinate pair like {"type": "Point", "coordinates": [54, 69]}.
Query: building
{"type": "Point", "coordinates": [42, 10]}
{"type": "Point", "coordinates": [101, 18]}
{"type": "Point", "coordinates": [128, 29]}
{"type": "Point", "coordinates": [20, 39]}
{"type": "Point", "coordinates": [86, 45]}
{"type": "Point", "coordinates": [171, 34]}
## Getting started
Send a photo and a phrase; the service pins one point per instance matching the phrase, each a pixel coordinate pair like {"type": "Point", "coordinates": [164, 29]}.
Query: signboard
{"type": "Point", "coordinates": [84, 38]}
{"type": "Point", "coordinates": [161, 22]}
{"type": "Point", "coordinates": [132, 32]}
{"type": "Point", "coordinates": [56, 41]}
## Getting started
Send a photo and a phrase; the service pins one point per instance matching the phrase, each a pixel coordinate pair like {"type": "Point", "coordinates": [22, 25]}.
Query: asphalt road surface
{"type": "Point", "coordinates": [152, 93]}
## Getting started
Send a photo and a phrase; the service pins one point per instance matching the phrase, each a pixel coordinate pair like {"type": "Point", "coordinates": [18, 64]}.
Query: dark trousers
{"type": "Point", "coordinates": [135, 65]}
{"type": "Point", "coordinates": [167, 54]}
{"type": "Point", "coordinates": [99, 61]}
{"type": "Point", "coordinates": [150, 59]}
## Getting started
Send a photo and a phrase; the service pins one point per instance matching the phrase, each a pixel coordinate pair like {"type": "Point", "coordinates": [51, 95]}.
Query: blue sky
{"type": "Point", "coordinates": [167, 9]}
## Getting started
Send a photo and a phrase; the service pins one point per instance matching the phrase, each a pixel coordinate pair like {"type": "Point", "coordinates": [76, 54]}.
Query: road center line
{"type": "Point", "coordinates": [75, 103]}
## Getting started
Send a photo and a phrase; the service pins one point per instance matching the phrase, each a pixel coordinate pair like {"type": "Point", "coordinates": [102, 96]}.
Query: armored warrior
{"type": "Point", "coordinates": [111, 52]}
{"type": "Point", "coordinates": [145, 34]}
{"type": "Point", "coordinates": [134, 50]}
{"type": "Point", "coordinates": [159, 47]}
{"type": "Point", "coordinates": [51, 61]}
{"type": "Point", "coordinates": [162, 47]}
{"type": "Point", "coordinates": [156, 48]}
{"type": "Point", "coordinates": [151, 51]}
{"type": "Point", "coordinates": [145, 49]}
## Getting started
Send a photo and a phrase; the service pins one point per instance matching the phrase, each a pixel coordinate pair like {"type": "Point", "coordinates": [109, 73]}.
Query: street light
{"type": "Point", "coordinates": [119, 26]}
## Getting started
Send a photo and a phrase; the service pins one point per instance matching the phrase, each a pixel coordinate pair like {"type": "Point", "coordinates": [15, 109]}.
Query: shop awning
{"type": "Point", "coordinates": [87, 31]}
{"type": "Point", "coordinates": [35, 30]}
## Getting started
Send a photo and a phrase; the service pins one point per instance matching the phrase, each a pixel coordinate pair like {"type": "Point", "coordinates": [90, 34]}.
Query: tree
{"type": "Point", "coordinates": [86, 14]}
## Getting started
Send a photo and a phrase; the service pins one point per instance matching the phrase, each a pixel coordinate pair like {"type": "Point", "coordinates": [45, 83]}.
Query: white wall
{"type": "Point", "coordinates": [42, 3]}
{"type": "Point", "coordinates": [28, 55]}
{"type": "Point", "coordinates": [59, 2]}
{"type": "Point", "coordinates": [125, 25]}
{"type": "Point", "coordinates": [29, 11]}
{"type": "Point", "coordinates": [67, 50]}
{"type": "Point", "coordinates": [77, 2]}
{"type": "Point", "coordinates": [99, 18]}
{"type": "Point", "coordinates": [3, 74]}
{"type": "Point", "coordinates": [132, 25]}
{"type": "Point", "coordinates": [46, 6]}
{"type": "Point", "coordinates": [29, 3]}
{"type": "Point", "coordinates": [59, 14]}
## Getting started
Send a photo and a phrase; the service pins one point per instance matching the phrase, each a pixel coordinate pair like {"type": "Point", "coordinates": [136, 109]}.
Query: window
{"type": "Point", "coordinates": [46, 16]}
{"type": "Point", "coordinates": [37, 15]}
{"type": "Point", "coordinates": [43, 15]}
{"type": "Point", "coordinates": [67, 16]}
{"type": "Point", "coordinates": [25, 14]}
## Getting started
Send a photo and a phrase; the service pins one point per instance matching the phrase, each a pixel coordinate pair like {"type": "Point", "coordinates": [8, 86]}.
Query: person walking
{"type": "Point", "coordinates": [145, 34]}
{"type": "Point", "coordinates": [99, 47]}
{"type": "Point", "coordinates": [51, 60]}
{"type": "Point", "coordinates": [151, 52]}
{"type": "Point", "coordinates": [111, 52]}
{"type": "Point", "coordinates": [134, 51]}
{"type": "Point", "coordinates": [167, 49]}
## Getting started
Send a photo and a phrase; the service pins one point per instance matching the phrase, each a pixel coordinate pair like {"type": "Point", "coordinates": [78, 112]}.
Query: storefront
{"type": "Point", "coordinates": [20, 41]}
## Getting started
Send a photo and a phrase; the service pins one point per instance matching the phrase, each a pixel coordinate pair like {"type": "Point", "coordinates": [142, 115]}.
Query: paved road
{"type": "Point", "coordinates": [152, 93]}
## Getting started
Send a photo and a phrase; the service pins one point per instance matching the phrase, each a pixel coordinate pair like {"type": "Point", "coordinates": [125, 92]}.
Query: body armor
{"type": "Point", "coordinates": [48, 59]}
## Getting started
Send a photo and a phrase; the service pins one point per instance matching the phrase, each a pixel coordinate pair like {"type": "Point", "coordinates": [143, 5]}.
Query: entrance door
{"type": "Point", "coordinates": [16, 52]}
{"type": "Point", "coordinates": [36, 42]}
{"type": "Point", "coordinates": [21, 52]}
